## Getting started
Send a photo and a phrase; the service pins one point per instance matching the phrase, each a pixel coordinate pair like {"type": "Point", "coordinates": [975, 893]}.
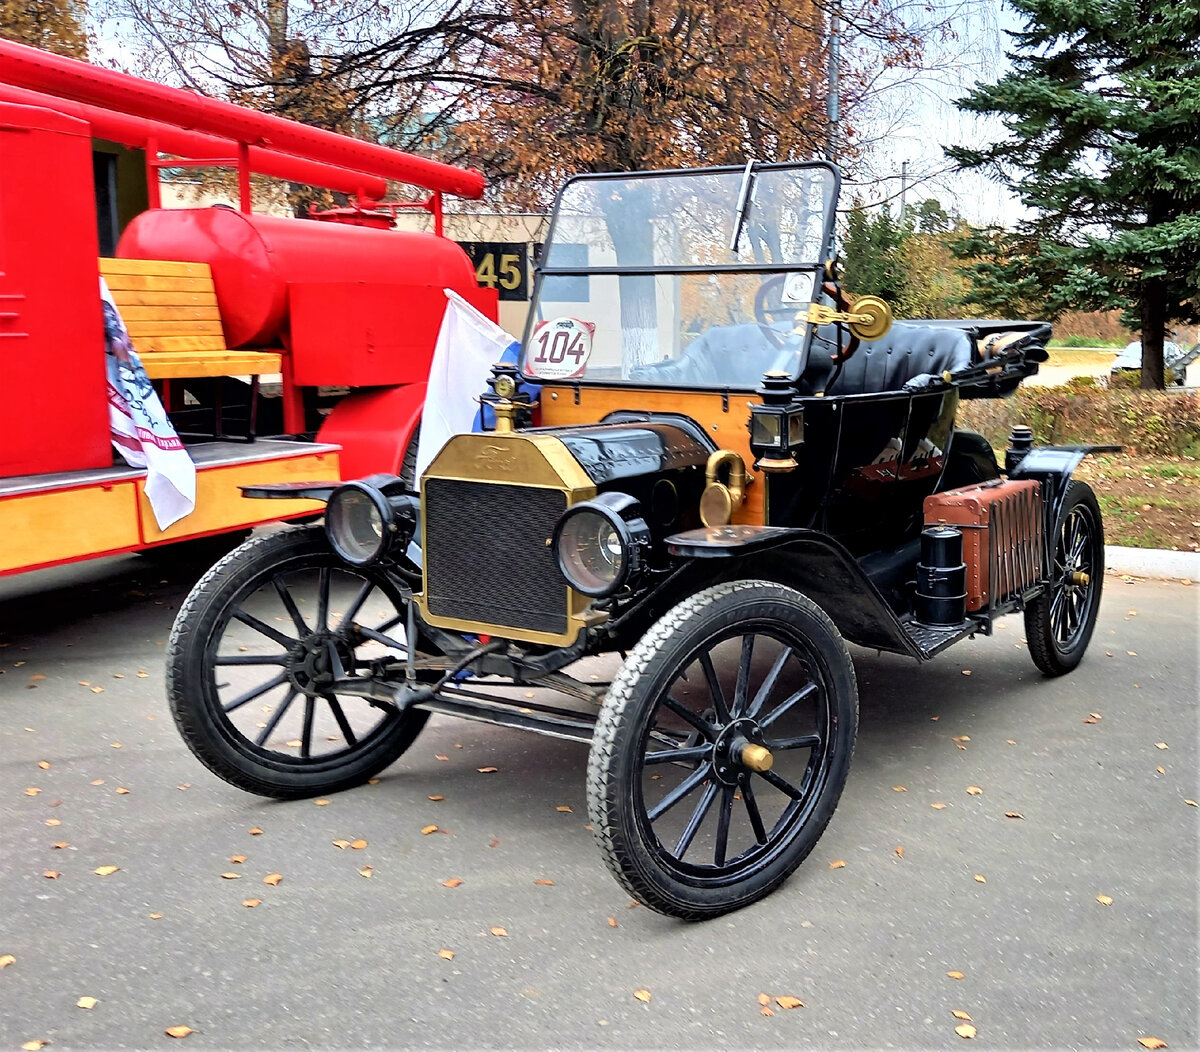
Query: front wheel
{"type": "Point", "coordinates": [1059, 622]}
{"type": "Point", "coordinates": [253, 656]}
{"type": "Point", "coordinates": [722, 748]}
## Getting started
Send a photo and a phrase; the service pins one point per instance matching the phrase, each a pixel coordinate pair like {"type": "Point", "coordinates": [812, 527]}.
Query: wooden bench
{"type": "Point", "coordinates": [170, 311]}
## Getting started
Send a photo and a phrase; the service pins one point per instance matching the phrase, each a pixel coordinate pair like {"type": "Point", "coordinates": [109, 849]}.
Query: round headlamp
{"type": "Point", "coordinates": [599, 543]}
{"type": "Point", "coordinates": [358, 523]}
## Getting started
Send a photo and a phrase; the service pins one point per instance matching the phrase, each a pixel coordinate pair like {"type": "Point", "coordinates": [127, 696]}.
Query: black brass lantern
{"type": "Point", "coordinates": [777, 425]}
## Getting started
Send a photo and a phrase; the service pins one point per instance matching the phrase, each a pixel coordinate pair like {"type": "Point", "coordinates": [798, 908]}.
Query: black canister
{"type": "Point", "coordinates": [941, 598]}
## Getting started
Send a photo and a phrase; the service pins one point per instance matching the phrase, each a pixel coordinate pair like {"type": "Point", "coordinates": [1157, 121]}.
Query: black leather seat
{"type": "Point", "coordinates": [907, 356]}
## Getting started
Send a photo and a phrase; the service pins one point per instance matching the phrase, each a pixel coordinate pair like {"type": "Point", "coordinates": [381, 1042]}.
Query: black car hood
{"type": "Point", "coordinates": [610, 452]}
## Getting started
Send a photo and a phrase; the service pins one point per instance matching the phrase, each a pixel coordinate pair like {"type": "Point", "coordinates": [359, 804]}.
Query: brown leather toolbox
{"type": "Point", "coordinates": [1001, 523]}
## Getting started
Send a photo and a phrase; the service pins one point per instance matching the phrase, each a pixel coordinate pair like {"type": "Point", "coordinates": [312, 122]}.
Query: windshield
{"type": "Point", "coordinates": [640, 280]}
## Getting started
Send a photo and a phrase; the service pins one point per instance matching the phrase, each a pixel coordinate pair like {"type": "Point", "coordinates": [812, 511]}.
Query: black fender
{"type": "Point", "coordinates": [1053, 467]}
{"type": "Point", "coordinates": [290, 490]}
{"type": "Point", "coordinates": [809, 561]}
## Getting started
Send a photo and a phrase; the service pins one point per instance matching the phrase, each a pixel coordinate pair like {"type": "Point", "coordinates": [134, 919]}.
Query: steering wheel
{"type": "Point", "coordinates": [769, 294]}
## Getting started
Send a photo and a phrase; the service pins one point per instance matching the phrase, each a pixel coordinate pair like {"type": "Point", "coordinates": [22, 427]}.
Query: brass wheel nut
{"type": "Point", "coordinates": [757, 758]}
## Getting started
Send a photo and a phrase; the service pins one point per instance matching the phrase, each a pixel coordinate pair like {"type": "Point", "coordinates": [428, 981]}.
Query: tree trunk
{"type": "Point", "coordinates": [1154, 323]}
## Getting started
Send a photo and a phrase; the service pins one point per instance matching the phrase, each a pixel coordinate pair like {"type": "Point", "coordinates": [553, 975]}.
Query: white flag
{"type": "Point", "coordinates": [468, 344]}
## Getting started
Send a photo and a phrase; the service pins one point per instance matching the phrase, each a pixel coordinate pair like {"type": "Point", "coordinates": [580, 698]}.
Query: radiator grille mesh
{"type": "Point", "coordinates": [486, 556]}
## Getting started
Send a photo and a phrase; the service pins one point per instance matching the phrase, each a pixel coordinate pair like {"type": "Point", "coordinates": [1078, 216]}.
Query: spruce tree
{"type": "Point", "coordinates": [1102, 109]}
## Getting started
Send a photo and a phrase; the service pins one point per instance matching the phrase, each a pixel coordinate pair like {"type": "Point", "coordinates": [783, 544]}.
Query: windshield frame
{"type": "Point", "coordinates": [541, 271]}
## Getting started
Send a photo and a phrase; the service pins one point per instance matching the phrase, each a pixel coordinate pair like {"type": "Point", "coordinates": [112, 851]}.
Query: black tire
{"type": "Point", "coordinates": [248, 607]}
{"type": "Point", "coordinates": [665, 693]}
{"type": "Point", "coordinates": [408, 467]}
{"type": "Point", "coordinates": [1059, 622]}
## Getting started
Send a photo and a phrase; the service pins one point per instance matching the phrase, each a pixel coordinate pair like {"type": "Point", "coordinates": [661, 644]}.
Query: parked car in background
{"type": "Point", "coordinates": [1175, 360]}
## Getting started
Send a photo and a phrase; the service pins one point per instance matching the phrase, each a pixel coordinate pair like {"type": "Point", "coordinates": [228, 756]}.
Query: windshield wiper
{"type": "Point", "coordinates": [743, 205]}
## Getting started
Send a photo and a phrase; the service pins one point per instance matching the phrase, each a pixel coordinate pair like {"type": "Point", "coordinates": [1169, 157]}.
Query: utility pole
{"type": "Point", "coordinates": [835, 26]}
{"type": "Point", "coordinates": [903, 186]}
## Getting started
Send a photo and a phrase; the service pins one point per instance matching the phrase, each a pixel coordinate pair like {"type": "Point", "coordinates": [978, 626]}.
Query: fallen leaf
{"type": "Point", "coordinates": [938, 806]}
{"type": "Point", "coordinates": [980, 878]}
{"type": "Point", "coordinates": [237, 858]}
{"type": "Point", "coordinates": [838, 863]}
{"type": "Point", "coordinates": [956, 975]}
{"type": "Point", "coordinates": [156, 916]}
{"type": "Point", "coordinates": [1131, 653]}
{"type": "Point", "coordinates": [487, 770]}
{"type": "Point", "coordinates": [32, 790]}
{"type": "Point", "coordinates": [564, 808]}
{"type": "Point", "coordinates": [231, 876]}
{"type": "Point", "coordinates": [642, 995]}
{"type": "Point", "coordinates": [33, 1046]}
{"type": "Point", "coordinates": [973, 790]}
{"type": "Point", "coordinates": [934, 719]}
{"type": "Point", "coordinates": [499, 932]}
{"type": "Point", "coordinates": [453, 882]}
{"type": "Point", "coordinates": [86, 1002]}
{"type": "Point", "coordinates": [612, 922]}
{"type": "Point", "coordinates": [98, 781]}
{"type": "Point", "coordinates": [178, 1031]}
{"type": "Point", "coordinates": [1095, 715]}
{"type": "Point", "coordinates": [142, 673]}
{"type": "Point", "coordinates": [322, 802]}
{"type": "Point", "coordinates": [97, 690]}
{"type": "Point", "coordinates": [1104, 900]}
{"type": "Point", "coordinates": [966, 671]}
{"type": "Point", "coordinates": [764, 999]}
{"type": "Point", "coordinates": [494, 843]}
{"type": "Point", "coordinates": [366, 871]}
{"type": "Point", "coordinates": [358, 844]}
{"type": "Point", "coordinates": [545, 883]}
{"type": "Point", "coordinates": [255, 831]}
{"type": "Point", "coordinates": [899, 851]}
{"type": "Point", "coordinates": [1089, 719]}
{"type": "Point", "coordinates": [342, 844]}
{"type": "Point", "coordinates": [1152, 1042]}
{"type": "Point", "coordinates": [965, 1030]}
{"type": "Point", "coordinates": [1009, 741]}
{"type": "Point", "coordinates": [251, 903]}
{"type": "Point", "coordinates": [789, 1002]}
{"type": "Point", "coordinates": [1191, 803]}
{"type": "Point", "coordinates": [105, 871]}
{"type": "Point", "coordinates": [899, 789]}
{"type": "Point", "coordinates": [1161, 769]}
{"type": "Point", "coordinates": [122, 791]}
{"type": "Point", "coordinates": [435, 799]}
{"type": "Point", "coordinates": [446, 955]}
{"type": "Point", "coordinates": [440, 757]}
{"type": "Point", "coordinates": [766, 1010]}
{"type": "Point", "coordinates": [43, 765]}
{"type": "Point", "coordinates": [961, 738]}
{"type": "Point", "coordinates": [114, 745]}
{"type": "Point", "coordinates": [426, 830]}
{"type": "Point", "coordinates": [1161, 745]}
{"type": "Point", "coordinates": [959, 1014]}
{"type": "Point", "coordinates": [273, 879]}
{"type": "Point", "coordinates": [1013, 814]}
{"type": "Point", "coordinates": [6, 960]}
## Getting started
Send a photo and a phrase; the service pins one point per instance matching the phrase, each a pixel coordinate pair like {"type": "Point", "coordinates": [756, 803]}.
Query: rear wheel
{"type": "Point", "coordinates": [253, 656]}
{"type": "Point", "coordinates": [722, 749]}
{"type": "Point", "coordinates": [1060, 621]}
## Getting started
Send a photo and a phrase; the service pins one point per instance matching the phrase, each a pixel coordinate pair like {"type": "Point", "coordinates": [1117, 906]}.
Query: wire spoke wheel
{"type": "Point", "coordinates": [722, 748]}
{"type": "Point", "coordinates": [255, 657]}
{"type": "Point", "coordinates": [1059, 623]}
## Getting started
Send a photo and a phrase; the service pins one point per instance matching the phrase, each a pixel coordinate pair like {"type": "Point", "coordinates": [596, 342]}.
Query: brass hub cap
{"type": "Point", "coordinates": [739, 750]}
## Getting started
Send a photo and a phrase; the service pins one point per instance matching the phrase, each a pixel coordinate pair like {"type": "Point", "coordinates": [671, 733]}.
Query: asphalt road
{"type": "Point", "coordinates": [332, 959]}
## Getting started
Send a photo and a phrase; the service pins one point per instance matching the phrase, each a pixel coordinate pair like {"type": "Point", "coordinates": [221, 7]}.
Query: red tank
{"type": "Point", "coordinates": [256, 259]}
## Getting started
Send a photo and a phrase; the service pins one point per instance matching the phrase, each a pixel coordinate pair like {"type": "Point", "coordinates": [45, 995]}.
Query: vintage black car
{"type": "Point", "coordinates": [711, 462]}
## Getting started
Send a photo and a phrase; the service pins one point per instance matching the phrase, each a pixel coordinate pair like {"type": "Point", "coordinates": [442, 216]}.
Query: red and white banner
{"type": "Point", "coordinates": [141, 432]}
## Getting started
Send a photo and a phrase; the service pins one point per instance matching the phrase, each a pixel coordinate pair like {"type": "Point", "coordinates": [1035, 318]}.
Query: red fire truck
{"type": "Point", "coordinates": [341, 316]}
